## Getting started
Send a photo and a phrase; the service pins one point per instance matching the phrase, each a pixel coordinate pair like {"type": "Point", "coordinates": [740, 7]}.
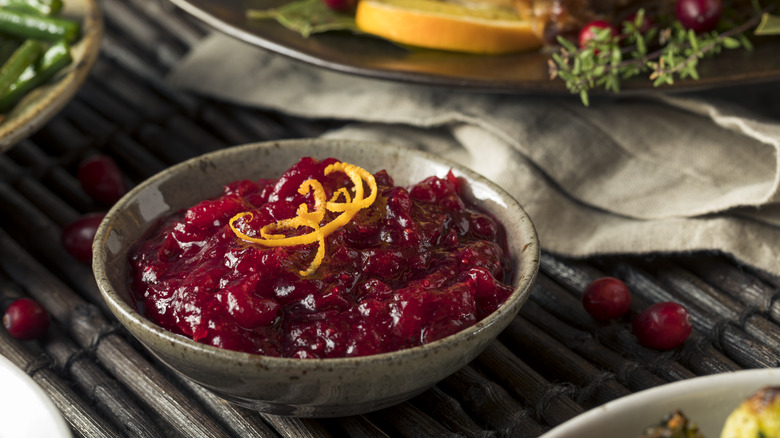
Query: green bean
{"type": "Point", "coordinates": [7, 48]}
{"type": "Point", "coordinates": [56, 58]}
{"type": "Point", "coordinates": [40, 7]}
{"type": "Point", "coordinates": [38, 27]}
{"type": "Point", "coordinates": [26, 55]}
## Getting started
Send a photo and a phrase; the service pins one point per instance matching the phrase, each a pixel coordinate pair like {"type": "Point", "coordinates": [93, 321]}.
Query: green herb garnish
{"type": "Point", "coordinates": [663, 55]}
{"type": "Point", "coordinates": [307, 17]}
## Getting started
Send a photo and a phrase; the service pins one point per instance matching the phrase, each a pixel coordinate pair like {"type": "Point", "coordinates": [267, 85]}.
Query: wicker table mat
{"type": "Point", "coordinates": [553, 363]}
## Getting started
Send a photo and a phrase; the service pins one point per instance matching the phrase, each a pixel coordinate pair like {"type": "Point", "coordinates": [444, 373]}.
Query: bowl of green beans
{"type": "Point", "coordinates": [47, 48]}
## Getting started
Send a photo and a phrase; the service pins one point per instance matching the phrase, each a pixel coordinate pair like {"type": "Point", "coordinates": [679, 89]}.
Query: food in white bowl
{"type": "Point", "coordinates": [757, 416]}
{"type": "Point", "coordinates": [318, 385]}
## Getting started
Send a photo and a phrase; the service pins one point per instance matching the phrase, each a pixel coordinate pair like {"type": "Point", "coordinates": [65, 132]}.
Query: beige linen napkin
{"type": "Point", "coordinates": [631, 175]}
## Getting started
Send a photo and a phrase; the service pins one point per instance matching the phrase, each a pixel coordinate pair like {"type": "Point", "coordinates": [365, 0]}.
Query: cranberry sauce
{"type": "Point", "coordinates": [417, 265]}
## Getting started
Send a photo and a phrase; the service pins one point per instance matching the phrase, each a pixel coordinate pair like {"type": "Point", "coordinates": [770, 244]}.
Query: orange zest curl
{"type": "Point", "coordinates": [353, 203]}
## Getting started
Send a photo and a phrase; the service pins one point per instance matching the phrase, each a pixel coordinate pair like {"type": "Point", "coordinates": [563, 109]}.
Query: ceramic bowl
{"type": "Point", "coordinates": [27, 411]}
{"type": "Point", "coordinates": [303, 387]}
{"type": "Point", "coordinates": [705, 400]}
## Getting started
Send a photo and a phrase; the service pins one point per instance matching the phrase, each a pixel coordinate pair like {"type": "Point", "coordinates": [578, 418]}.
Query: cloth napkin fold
{"type": "Point", "coordinates": [667, 173]}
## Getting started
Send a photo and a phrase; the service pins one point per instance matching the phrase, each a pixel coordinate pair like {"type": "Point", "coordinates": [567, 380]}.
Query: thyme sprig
{"type": "Point", "coordinates": [606, 60]}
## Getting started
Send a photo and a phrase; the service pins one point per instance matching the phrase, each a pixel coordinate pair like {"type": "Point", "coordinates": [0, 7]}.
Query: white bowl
{"type": "Point", "coordinates": [706, 400]}
{"type": "Point", "coordinates": [26, 411]}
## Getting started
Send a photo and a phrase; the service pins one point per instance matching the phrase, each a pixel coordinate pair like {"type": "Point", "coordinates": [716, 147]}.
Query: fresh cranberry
{"type": "Point", "coordinates": [78, 236]}
{"type": "Point", "coordinates": [101, 179]}
{"type": "Point", "coordinates": [663, 326]}
{"type": "Point", "coordinates": [699, 15]}
{"type": "Point", "coordinates": [341, 5]}
{"type": "Point", "coordinates": [606, 298]}
{"type": "Point", "coordinates": [25, 319]}
{"type": "Point", "coordinates": [589, 31]}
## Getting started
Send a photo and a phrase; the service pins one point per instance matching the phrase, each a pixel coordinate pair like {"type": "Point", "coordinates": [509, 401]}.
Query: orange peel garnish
{"type": "Point", "coordinates": [313, 219]}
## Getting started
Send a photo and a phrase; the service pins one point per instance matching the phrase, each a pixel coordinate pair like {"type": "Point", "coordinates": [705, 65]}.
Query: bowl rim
{"type": "Point", "coordinates": [527, 272]}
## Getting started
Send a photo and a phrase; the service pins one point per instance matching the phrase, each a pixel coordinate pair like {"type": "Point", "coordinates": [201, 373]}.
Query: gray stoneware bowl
{"type": "Point", "coordinates": [303, 387]}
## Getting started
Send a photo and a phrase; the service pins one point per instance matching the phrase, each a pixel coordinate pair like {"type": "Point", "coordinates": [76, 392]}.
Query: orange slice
{"type": "Point", "coordinates": [447, 26]}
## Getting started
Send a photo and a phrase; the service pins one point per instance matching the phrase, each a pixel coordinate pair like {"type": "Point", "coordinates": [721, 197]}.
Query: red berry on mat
{"type": "Point", "coordinates": [25, 319]}
{"type": "Point", "coordinates": [101, 179]}
{"type": "Point", "coordinates": [77, 237]}
{"type": "Point", "coordinates": [663, 326]}
{"type": "Point", "coordinates": [606, 298]}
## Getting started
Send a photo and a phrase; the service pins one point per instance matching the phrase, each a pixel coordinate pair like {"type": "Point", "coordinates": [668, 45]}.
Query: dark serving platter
{"type": "Point", "coordinates": [523, 73]}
